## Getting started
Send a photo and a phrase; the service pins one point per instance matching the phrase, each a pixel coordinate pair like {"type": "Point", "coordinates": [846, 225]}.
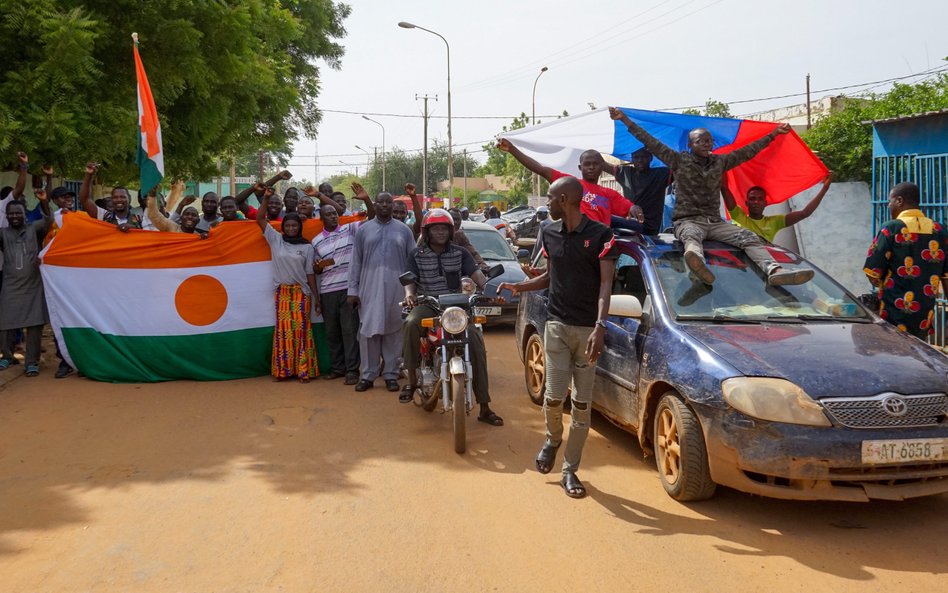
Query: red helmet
{"type": "Point", "coordinates": [438, 216]}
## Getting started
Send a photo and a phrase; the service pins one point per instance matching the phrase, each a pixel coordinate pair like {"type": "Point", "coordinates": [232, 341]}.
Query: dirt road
{"type": "Point", "coordinates": [255, 486]}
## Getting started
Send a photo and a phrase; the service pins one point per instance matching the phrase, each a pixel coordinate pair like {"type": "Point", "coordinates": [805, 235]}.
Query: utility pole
{"type": "Point", "coordinates": [464, 199]}
{"type": "Point", "coordinates": [808, 101]}
{"type": "Point", "coordinates": [316, 165]}
{"type": "Point", "coordinates": [233, 177]}
{"type": "Point", "coordinates": [424, 154]}
{"type": "Point", "coordinates": [260, 159]}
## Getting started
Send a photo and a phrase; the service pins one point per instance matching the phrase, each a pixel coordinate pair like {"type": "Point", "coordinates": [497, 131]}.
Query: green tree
{"type": "Point", "coordinates": [712, 108]}
{"type": "Point", "coordinates": [228, 78]}
{"type": "Point", "coordinates": [844, 141]}
{"type": "Point", "coordinates": [406, 167]}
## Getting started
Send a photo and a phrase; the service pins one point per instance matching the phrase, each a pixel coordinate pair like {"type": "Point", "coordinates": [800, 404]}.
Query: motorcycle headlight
{"type": "Point", "coordinates": [773, 399]}
{"type": "Point", "coordinates": [454, 320]}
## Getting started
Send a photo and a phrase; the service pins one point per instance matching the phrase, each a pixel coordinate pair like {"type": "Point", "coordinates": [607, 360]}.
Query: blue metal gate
{"type": "Point", "coordinates": [929, 172]}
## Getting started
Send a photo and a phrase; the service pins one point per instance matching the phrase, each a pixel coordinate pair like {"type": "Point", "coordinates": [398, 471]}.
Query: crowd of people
{"type": "Point", "coordinates": [349, 273]}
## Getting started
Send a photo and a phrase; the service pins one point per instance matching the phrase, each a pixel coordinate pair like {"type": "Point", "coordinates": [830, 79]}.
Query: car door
{"type": "Point", "coordinates": [617, 371]}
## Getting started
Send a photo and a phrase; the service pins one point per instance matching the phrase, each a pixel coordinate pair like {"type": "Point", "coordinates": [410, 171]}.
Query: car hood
{"type": "Point", "coordinates": [829, 359]}
{"type": "Point", "coordinates": [512, 273]}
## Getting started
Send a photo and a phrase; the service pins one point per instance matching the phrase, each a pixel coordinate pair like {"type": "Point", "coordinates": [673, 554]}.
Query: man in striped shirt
{"type": "Point", "coordinates": [333, 253]}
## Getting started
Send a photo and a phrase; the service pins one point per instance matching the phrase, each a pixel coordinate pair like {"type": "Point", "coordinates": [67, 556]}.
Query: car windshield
{"type": "Point", "coordinates": [490, 245]}
{"type": "Point", "coordinates": [740, 292]}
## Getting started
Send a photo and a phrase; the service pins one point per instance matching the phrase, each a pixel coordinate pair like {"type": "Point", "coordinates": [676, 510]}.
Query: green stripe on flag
{"type": "Point", "coordinates": [203, 357]}
{"type": "Point", "coordinates": [150, 175]}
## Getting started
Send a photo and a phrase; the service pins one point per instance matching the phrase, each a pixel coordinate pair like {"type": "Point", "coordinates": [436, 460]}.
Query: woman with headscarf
{"type": "Point", "coordinates": [295, 297]}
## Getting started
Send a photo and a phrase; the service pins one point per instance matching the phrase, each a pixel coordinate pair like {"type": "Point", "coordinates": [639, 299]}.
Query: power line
{"type": "Point", "coordinates": [419, 116]}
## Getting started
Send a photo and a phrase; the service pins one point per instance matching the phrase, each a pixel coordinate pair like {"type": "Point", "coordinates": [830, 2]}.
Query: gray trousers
{"type": "Point", "coordinates": [565, 351]}
{"type": "Point", "coordinates": [342, 328]}
{"type": "Point", "coordinates": [692, 231]}
{"type": "Point", "coordinates": [380, 355]}
{"type": "Point", "coordinates": [34, 337]}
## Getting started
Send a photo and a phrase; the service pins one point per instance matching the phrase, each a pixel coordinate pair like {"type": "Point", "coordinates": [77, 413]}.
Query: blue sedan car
{"type": "Point", "coordinates": [794, 392]}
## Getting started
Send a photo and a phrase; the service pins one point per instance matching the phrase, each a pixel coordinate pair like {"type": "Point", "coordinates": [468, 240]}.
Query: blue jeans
{"type": "Point", "coordinates": [627, 223]}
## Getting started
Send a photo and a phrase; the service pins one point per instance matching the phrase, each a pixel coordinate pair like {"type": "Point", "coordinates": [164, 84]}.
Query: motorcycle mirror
{"type": "Point", "coordinates": [407, 278]}
{"type": "Point", "coordinates": [495, 271]}
{"type": "Point", "coordinates": [523, 254]}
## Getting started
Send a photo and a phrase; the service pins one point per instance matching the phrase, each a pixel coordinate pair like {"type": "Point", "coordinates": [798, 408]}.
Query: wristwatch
{"type": "Point", "coordinates": [601, 323]}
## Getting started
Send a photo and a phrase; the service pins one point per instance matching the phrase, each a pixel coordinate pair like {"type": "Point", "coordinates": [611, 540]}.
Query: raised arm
{"type": "Point", "coordinates": [411, 192]}
{"type": "Point", "coordinates": [177, 190]}
{"type": "Point", "coordinates": [245, 193]}
{"type": "Point", "coordinates": [324, 200]}
{"type": "Point", "coordinates": [544, 172]}
{"type": "Point", "coordinates": [48, 177]}
{"type": "Point", "coordinates": [41, 195]}
{"type": "Point", "coordinates": [798, 215]}
{"type": "Point", "coordinates": [282, 175]}
{"type": "Point", "coordinates": [23, 166]}
{"type": "Point", "coordinates": [668, 155]}
{"type": "Point", "coordinates": [746, 153]}
{"type": "Point", "coordinates": [729, 202]}
{"type": "Point", "coordinates": [157, 218]}
{"type": "Point", "coordinates": [361, 194]}
{"type": "Point", "coordinates": [85, 191]}
{"type": "Point", "coordinates": [262, 221]}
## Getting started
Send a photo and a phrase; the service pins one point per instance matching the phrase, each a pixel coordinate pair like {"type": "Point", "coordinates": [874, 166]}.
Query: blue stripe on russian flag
{"type": "Point", "coordinates": [671, 129]}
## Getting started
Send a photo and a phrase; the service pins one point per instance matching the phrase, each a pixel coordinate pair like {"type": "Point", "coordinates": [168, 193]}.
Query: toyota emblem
{"type": "Point", "coordinates": [895, 406]}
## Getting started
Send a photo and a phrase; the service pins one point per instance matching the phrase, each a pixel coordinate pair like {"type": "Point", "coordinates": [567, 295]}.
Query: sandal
{"type": "Point", "coordinates": [407, 394]}
{"type": "Point", "coordinates": [4, 364]}
{"type": "Point", "coordinates": [572, 486]}
{"type": "Point", "coordinates": [32, 370]}
{"type": "Point", "coordinates": [546, 458]}
{"type": "Point", "coordinates": [491, 418]}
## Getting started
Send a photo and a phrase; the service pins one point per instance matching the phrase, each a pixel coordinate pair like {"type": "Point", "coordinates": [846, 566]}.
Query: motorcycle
{"type": "Point", "coordinates": [446, 369]}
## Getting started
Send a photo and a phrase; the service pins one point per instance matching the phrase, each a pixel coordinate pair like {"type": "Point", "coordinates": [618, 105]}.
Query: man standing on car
{"type": "Point", "coordinates": [579, 274]}
{"type": "Point", "coordinates": [906, 262]}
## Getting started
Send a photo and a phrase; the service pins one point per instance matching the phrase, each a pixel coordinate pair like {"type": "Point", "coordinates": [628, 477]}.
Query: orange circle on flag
{"type": "Point", "coordinates": [201, 300]}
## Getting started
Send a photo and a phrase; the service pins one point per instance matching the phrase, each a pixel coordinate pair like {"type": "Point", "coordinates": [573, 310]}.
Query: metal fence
{"type": "Point", "coordinates": [929, 172]}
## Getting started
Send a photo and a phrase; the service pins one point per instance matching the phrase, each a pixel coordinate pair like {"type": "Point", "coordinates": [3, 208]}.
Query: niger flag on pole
{"type": "Point", "coordinates": [151, 158]}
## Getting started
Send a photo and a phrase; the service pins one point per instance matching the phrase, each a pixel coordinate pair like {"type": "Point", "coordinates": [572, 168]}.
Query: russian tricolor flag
{"type": "Point", "coordinates": [785, 168]}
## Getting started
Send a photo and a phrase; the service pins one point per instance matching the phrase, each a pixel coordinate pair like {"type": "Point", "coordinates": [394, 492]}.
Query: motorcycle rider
{"type": "Point", "coordinates": [438, 266]}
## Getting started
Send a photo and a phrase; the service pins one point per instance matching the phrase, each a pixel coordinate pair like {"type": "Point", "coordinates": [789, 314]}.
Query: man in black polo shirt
{"type": "Point", "coordinates": [579, 276]}
{"type": "Point", "coordinates": [644, 186]}
{"type": "Point", "coordinates": [438, 266]}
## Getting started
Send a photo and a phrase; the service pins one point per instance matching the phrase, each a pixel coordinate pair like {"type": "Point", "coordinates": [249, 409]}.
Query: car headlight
{"type": "Point", "coordinates": [777, 400]}
{"type": "Point", "coordinates": [454, 320]}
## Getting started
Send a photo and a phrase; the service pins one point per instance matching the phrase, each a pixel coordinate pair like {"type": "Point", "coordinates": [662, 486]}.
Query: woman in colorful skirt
{"type": "Point", "coordinates": [295, 297]}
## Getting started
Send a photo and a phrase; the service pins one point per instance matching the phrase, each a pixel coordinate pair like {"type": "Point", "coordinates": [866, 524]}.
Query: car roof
{"type": "Point", "coordinates": [664, 242]}
{"type": "Point", "coordinates": [476, 226]}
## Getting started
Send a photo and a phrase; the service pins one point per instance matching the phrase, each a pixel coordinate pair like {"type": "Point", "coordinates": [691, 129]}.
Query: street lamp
{"type": "Point", "coordinates": [365, 117]}
{"type": "Point", "coordinates": [533, 111]}
{"type": "Point", "coordinates": [405, 25]}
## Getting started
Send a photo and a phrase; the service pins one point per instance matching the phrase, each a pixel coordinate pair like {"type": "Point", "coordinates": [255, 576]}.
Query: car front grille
{"type": "Point", "coordinates": [888, 410]}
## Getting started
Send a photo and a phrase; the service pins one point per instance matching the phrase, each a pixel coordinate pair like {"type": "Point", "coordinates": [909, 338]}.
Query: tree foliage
{"type": "Point", "coordinates": [712, 108]}
{"type": "Point", "coordinates": [406, 167]}
{"type": "Point", "coordinates": [228, 78]}
{"type": "Point", "coordinates": [844, 142]}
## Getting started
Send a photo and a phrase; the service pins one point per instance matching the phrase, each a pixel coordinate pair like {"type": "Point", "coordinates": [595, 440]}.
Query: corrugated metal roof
{"type": "Point", "coordinates": [907, 117]}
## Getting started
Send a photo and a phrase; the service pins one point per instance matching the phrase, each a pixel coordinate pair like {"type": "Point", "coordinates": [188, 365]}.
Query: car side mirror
{"type": "Point", "coordinates": [625, 305]}
{"type": "Point", "coordinates": [495, 271]}
{"type": "Point", "coordinates": [523, 254]}
{"type": "Point", "coordinates": [407, 278]}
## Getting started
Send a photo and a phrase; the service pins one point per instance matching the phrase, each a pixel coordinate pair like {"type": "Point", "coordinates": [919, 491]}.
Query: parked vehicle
{"type": "Point", "coordinates": [496, 251]}
{"type": "Point", "coordinates": [446, 370]}
{"type": "Point", "coordinates": [794, 392]}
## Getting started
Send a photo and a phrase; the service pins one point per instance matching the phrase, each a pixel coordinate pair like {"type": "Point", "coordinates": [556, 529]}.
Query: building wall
{"type": "Point", "coordinates": [837, 236]}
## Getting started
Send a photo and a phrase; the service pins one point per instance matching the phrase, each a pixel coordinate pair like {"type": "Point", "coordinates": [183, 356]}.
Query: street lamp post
{"type": "Point", "coordinates": [405, 25]}
{"type": "Point", "coordinates": [367, 159]}
{"type": "Point", "coordinates": [365, 117]}
{"type": "Point", "coordinates": [533, 114]}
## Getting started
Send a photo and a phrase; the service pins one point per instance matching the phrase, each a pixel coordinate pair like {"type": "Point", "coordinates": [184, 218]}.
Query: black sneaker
{"type": "Point", "coordinates": [63, 371]}
{"type": "Point", "coordinates": [352, 378]}
{"type": "Point", "coordinates": [364, 385]}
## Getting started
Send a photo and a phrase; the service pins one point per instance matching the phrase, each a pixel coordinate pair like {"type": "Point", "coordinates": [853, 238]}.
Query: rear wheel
{"type": "Point", "coordinates": [534, 369]}
{"type": "Point", "coordinates": [680, 451]}
{"type": "Point", "coordinates": [459, 412]}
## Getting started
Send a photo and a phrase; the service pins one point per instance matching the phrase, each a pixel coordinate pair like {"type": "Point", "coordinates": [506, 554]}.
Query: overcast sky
{"type": "Point", "coordinates": [648, 54]}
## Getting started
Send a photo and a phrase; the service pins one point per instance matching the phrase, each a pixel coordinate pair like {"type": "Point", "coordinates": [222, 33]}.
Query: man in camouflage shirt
{"type": "Point", "coordinates": [697, 217]}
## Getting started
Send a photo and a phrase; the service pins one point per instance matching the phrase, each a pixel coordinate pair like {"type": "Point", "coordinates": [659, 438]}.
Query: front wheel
{"type": "Point", "coordinates": [459, 411]}
{"type": "Point", "coordinates": [534, 369]}
{"type": "Point", "coordinates": [680, 451]}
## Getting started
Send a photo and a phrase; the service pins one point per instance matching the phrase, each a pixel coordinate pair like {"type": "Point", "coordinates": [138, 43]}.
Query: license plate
{"type": "Point", "coordinates": [904, 451]}
{"type": "Point", "coordinates": [487, 311]}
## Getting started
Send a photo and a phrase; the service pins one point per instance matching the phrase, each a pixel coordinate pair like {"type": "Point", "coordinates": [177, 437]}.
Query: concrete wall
{"type": "Point", "coordinates": [837, 236]}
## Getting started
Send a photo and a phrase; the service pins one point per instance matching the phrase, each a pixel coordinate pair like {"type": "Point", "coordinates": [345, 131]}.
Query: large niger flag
{"type": "Point", "coordinates": [150, 157]}
{"type": "Point", "coordinates": [148, 306]}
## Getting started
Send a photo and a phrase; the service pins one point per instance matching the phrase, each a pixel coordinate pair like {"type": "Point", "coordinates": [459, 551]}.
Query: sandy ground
{"type": "Point", "coordinates": [255, 486]}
